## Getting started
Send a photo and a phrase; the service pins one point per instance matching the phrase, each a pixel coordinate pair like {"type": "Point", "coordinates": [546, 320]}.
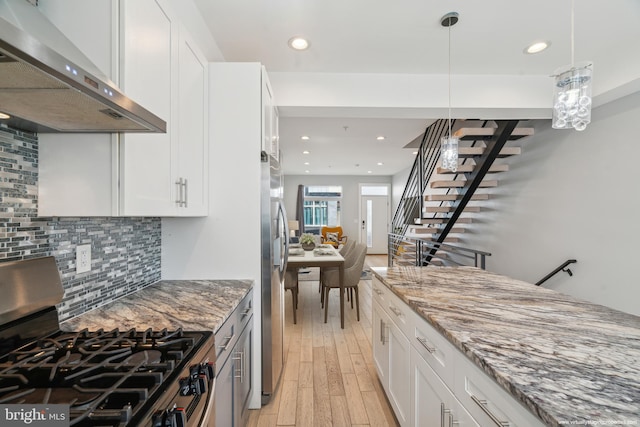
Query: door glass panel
{"type": "Point", "coordinates": [369, 223]}
{"type": "Point", "coordinates": [374, 190]}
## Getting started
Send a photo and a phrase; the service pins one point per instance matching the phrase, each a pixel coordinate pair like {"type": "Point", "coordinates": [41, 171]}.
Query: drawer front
{"type": "Point", "coordinates": [435, 349]}
{"type": "Point", "coordinates": [244, 311]}
{"type": "Point", "coordinates": [486, 401]}
{"type": "Point", "coordinates": [399, 312]}
{"type": "Point", "coordinates": [226, 338]}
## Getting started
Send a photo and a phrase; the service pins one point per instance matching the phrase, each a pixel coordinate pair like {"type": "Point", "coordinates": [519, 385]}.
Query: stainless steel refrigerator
{"type": "Point", "coordinates": [275, 245]}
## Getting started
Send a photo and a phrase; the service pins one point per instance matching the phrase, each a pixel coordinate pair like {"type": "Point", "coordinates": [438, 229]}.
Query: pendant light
{"type": "Point", "coordinates": [572, 92]}
{"type": "Point", "coordinates": [449, 144]}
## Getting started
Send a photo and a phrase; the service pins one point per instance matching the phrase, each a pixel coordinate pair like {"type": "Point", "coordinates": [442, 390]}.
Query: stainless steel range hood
{"type": "Point", "coordinates": [58, 90]}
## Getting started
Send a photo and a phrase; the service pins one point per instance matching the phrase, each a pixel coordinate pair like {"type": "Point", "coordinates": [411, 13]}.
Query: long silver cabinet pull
{"type": "Point", "coordinates": [224, 346]}
{"type": "Point", "coordinates": [425, 345]}
{"type": "Point", "coordinates": [186, 192]}
{"type": "Point", "coordinates": [377, 291]}
{"type": "Point", "coordinates": [239, 356]}
{"type": "Point", "coordinates": [179, 192]}
{"type": "Point", "coordinates": [382, 331]}
{"type": "Point", "coordinates": [443, 412]}
{"type": "Point", "coordinates": [483, 405]}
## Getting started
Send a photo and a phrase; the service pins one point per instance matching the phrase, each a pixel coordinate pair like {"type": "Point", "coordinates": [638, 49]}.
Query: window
{"type": "Point", "coordinates": [321, 207]}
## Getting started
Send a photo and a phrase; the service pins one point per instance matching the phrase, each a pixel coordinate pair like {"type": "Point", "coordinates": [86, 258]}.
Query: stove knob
{"type": "Point", "coordinates": [200, 384]}
{"type": "Point", "coordinates": [157, 420]}
{"type": "Point", "coordinates": [185, 387]}
{"type": "Point", "coordinates": [177, 417]}
{"type": "Point", "coordinates": [208, 369]}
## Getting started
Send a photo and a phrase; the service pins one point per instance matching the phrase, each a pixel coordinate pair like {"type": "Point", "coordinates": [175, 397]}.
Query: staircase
{"type": "Point", "coordinates": [438, 205]}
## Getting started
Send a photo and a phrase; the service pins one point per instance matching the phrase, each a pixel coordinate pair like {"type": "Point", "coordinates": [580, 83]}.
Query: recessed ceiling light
{"type": "Point", "coordinates": [380, 163]}
{"type": "Point", "coordinates": [4, 116]}
{"type": "Point", "coordinates": [306, 171]}
{"type": "Point", "coordinates": [369, 172]}
{"type": "Point", "coordinates": [305, 152]}
{"type": "Point", "coordinates": [306, 163]}
{"type": "Point", "coordinates": [298, 43]}
{"type": "Point", "coordinates": [380, 138]}
{"type": "Point", "coordinates": [537, 47]}
{"type": "Point", "coordinates": [304, 138]}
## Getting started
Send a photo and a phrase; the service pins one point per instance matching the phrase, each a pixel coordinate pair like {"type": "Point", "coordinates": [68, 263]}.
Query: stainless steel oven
{"type": "Point", "coordinates": [106, 377]}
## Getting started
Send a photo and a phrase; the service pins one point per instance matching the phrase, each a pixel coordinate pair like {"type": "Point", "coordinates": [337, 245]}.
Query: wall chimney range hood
{"type": "Point", "coordinates": [58, 90]}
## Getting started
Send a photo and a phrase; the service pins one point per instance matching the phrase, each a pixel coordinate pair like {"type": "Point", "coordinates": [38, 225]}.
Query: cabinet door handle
{"type": "Point", "coordinates": [246, 312]}
{"type": "Point", "coordinates": [186, 192]}
{"type": "Point", "coordinates": [425, 345]}
{"type": "Point", "coordinates": [443, 412]}
{"type": "Point", "coordinates": [483, 405]}
{"type": "Point", "coordinates": [377, 291]}
{"type": "Point", "coordinates": [179, 192]}
{"type": "Point", "coordinates": [383, 329]}
{"type": "Point", "coordinates": [224, 346]}
{"type": "Point", "coordinates": [239, 356]}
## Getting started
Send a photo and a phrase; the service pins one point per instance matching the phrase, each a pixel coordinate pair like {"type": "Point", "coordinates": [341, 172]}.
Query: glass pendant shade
{"type": "Point", "coordinates": [449, 153]}
{"type": "Point", "coordinates": [572, 97]}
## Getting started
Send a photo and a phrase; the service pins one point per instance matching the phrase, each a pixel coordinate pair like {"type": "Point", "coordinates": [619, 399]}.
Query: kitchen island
{"type": "Point", "coordinates": [193, 305]}
{"type": "Point", "coordinates": [566, 360]}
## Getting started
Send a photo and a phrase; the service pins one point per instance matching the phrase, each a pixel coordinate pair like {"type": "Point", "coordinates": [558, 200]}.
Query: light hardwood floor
{"type": "Point", "coordinates": [329, 378]}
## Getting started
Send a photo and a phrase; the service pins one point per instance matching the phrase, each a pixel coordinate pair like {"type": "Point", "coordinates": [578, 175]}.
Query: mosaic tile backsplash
{"type": "Point", "coordinates": [125, 252]}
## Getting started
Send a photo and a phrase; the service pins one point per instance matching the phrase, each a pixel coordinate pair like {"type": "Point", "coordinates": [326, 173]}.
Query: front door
{"type": "Point", "coordinates": [374, 223]}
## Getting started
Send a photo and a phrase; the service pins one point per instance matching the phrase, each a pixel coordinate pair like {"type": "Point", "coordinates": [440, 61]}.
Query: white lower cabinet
{"type": "Point", "coordinates": [392, 354]}
{"type": "Point", "coordinates": [428, 381]}
{"type": "Point", "coordinates": [432, 403]}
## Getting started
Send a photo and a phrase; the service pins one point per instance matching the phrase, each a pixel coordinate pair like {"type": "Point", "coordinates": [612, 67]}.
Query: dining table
{"type": "Point", "coordinates": [321, 256]}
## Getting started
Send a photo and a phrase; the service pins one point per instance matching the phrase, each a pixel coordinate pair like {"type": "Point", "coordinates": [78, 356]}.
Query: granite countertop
{"type": "Point", "coordinates": [564, 358]}
{"type": "Point", "coordinates": [193, 305]}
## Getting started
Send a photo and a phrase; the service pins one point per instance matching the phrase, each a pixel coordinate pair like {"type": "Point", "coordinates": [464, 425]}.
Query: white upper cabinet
{"type": "Point", "coordinates": [164, 174]}
{"type": "Point", "coordinates": [159, 66]}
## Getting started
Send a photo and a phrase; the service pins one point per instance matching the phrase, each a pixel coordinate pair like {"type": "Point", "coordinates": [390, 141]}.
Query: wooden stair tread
{"type": "Point", "coordinates": [443, 220]}
{"type": "Point", "coordinates": [469, 168]}
{"type": "Point", "coordinates": [472, 134]}
{"type": "Point", "coordinates": [444, 209]}
{"type": "Point", "coordinates": [461, 183]}
{"type": "Point", "coordinates": [435, 230]}
{"type": "Point", "coordinates": [464, 152]}
{"type": "Point", "coordinates": [452, 197]}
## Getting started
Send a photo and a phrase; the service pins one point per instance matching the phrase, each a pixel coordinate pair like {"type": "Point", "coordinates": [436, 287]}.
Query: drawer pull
{"type": "Point", "coordinates": [247, 311]}
{"type": "Point", "coordinates": [239, 357]}
{"type": "Point", "coordinates": [483, 405]}
{"type": "Point", "coordinates": [377, 291]}
{"type": "Point", "coordinates": [395, 311]}
{"type": "Point", "coordinates": [224, 346]}
{"type": "Point", "coordinates": [425, 345]}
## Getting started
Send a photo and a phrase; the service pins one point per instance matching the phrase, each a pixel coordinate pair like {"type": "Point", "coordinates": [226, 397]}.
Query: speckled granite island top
{"type": "Point", "coordinates": [194, 305]}
{"type": "Point", "coordinates": [564, 358]}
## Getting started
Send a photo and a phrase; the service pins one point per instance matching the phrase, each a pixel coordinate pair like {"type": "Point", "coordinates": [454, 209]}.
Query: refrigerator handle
{"type": "Point", "coordinates": [282, 219]}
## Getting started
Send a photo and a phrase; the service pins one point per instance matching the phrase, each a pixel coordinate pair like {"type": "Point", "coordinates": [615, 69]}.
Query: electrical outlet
{"type": "Point", "coordinates": [83, 258]}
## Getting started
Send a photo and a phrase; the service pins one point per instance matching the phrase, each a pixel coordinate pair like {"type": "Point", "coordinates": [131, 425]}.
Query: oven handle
{"type": "Point", "coordinates": [209, 412]}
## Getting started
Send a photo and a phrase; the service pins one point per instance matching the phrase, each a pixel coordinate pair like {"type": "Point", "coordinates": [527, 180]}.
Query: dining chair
{"type": "Point", "coordinates": [291, 283]}
{"type": "Point", "coordinates": [347, 247]}
{"type": "Point", "coordinates": [352, 271]}
{"type": "Point", "coordinates": [348, 256]}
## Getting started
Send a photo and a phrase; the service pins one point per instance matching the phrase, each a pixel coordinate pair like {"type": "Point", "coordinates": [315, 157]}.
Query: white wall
{"type": "Point", "coordinates": [350, 195]}
{"type": "Point", "coordinates": [572, 195]}
{"type": "Point", "coordinates": [226, 244]}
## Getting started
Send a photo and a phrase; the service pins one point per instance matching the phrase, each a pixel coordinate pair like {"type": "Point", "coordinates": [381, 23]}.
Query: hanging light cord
{"type": "Point", "coordinates": [572, 31]}
{"type": "Point", "coordinates": [449, 77]}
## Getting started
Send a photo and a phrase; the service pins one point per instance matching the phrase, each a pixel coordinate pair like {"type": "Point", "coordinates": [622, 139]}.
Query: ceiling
{"type": "Point", "coordinates": [375, 38]}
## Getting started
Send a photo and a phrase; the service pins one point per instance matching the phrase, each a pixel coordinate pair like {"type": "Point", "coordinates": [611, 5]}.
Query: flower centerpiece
{"type": "Point", "coordinates": [308, 241]}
